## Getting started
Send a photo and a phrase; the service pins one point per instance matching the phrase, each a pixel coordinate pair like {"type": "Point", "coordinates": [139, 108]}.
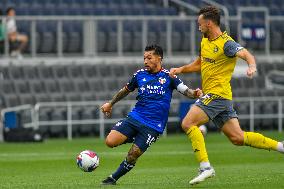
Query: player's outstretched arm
{"type": "Point", "coordinates": [107, 107]}
{"type": "Point", "coordinates": [190, 93]}
{"type": "Point", "coordinates": [195, 66]}
{"type": "Point", "coordinates": [249, 58]}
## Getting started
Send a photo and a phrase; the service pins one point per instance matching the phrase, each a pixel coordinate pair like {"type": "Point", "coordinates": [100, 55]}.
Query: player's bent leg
{"type": "Point", "coordinates": [233, 131]}
{"type": "Point", "coordinates": [126, 165]}
{"type": "Point", "coordinates": [195, 117]}
{"type": "Point", "coordinates": [115, 138]}
{"type": "Point", "coordinates": [238, 137]}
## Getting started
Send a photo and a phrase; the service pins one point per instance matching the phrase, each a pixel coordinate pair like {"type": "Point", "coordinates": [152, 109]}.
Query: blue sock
{"type": "Point", "coordinates": [123, 168]}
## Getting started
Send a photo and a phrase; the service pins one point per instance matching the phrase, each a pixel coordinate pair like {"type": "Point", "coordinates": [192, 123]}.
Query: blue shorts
{"type": "Point", "coordinates": [218, 109]}
{"type": "Point", "coordinates": [142, 135]}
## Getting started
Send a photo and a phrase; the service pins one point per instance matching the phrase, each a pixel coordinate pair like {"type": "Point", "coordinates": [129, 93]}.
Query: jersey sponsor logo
{"type": "Point", "coordinates": [155, 89]}
{"type": "Point", "coordinates": [209, 60]}
{"type": "Point", "coordinates": [162, 80]}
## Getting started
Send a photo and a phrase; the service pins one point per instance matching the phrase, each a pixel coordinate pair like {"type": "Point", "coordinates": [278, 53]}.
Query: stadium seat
{"type": "Point", "coordinates": [51, 86]}
{"type": "Point", "coordinates": [27, 99]}
{"type": "Point", "coordinates": [60, 71]}
{"type": "Point", "coordinates": [45, 72]}
{"type": "Point", "coordinates": [16, 72]}
{"type": "Point", "coordinates": [36, 86]}
{"type": "Point", "coordinates": [75, 71]}
{"type": "Point", "coordinates": [57, 97]}
{"type": "Point", "coordinates": [72, 97]}
{"type": "Point", "coordinates": [118, 71]}
{"type": "Point", "coordinates": [7, 87]}
{"type": "Point", "coordinates": [22, 87]}
{"type": "Point", "coordinates": [276, 40]}
{"type": "Point", "coordinates": [58, 114]}
{"type": "Point", "coordinates": [11, 100]}
{"type": "Point", "coordinates": [66, 85]}
{"type": "Point", "coordinates": [90, 71]}
{"type": "Point", "coordinates": [4, 72]}
{"type": "Point", "coordinates": [42, 97]}
{"type": "Point", "coordinates": [89, 96]}
{"type": "Point", "coordinates": [30, 72]}
{"type": "Point", "coordinates": [81, 85]}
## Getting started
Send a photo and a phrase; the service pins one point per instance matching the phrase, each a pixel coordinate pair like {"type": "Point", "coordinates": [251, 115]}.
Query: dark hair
{"type": "Point", "coordinates": [211, 13]}
{"type": "Point", "coordinates": [156, 48]}
{"type": "Point", "coordinates": [9, 9]}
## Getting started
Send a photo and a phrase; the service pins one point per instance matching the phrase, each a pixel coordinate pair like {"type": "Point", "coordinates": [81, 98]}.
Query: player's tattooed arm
{"type": "Point", "coordinates": [190, 93]}
{"type": "Point", "coordinates": [107, 107]}
{"type": "Point", "coordinates": [120, 95]}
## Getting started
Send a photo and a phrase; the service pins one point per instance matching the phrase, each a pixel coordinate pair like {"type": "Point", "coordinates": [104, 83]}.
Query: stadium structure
{"type": "Point", "coordinates": [80, 52]}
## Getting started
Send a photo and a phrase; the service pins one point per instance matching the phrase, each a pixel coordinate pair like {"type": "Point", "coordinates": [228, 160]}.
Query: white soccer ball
{"type": "Point", "coordinates": [203, 129]}
{"type": "Point", "coordinates": [88, 160]}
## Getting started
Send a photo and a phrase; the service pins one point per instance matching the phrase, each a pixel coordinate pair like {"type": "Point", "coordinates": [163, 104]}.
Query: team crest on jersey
{"type": "Point", "coordinates": [215, 49]}
{"type": "Point", "coordinates": [162, 80]}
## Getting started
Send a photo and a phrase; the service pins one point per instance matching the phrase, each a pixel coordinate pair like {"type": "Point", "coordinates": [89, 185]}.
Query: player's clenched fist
{"type": "Point", "coordinates": [174, 71]}
{"type": "Point", "coordinates": [106, 109]}
{"type": "Point", "coordinates": [197, 93]}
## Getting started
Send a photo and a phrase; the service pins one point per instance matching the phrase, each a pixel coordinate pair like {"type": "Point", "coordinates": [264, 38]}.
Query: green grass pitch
{"type": "Point", "coordinates": [169, 163]}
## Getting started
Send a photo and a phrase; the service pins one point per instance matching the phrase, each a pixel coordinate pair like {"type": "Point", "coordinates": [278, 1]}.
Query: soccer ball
{"type": "Point", "coordinates": [88, 160]}
{"type": "Point", "coordinates": [203, 129]}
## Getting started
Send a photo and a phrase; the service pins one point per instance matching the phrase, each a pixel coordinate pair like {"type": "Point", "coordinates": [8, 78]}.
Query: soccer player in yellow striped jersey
{"type": "Point", "coordinates": [216, 62]}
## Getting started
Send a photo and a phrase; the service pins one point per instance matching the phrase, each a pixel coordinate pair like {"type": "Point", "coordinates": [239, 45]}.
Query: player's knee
{"type": "Point", "coordinates": [237, 140]}
{"type": "Point", "coordinates": [185, 125]}
{"type": "Point", "coordinates": [110, 142]}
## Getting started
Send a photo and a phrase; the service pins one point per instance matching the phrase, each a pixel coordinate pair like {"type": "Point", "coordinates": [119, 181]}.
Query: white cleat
{"type": "Point", "coordinates": [203, 175]}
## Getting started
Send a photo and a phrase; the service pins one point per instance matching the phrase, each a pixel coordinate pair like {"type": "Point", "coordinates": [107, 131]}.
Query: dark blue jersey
{"type": "Point", "coordinates": [154, 97]}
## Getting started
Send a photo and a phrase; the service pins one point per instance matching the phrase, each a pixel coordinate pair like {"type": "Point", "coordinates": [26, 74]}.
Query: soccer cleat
{"type": "Point", "coordinates": [109, 181]}
{"type": "Point", "coordinates": [203, 175]}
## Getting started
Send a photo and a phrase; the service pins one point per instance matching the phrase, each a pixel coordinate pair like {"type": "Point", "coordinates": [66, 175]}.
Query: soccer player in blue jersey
{"type": "Point", "coordinates": [148, 118]}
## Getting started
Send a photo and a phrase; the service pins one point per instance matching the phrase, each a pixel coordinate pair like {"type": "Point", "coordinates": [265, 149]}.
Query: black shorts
{"type": "Point", "coordinates": [143, 135]}
{"type": "Point", "coordinates": [218, 109]}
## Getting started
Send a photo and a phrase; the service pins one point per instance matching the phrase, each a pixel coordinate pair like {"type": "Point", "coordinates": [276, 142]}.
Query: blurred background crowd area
{"type": "Point", "coordinates": [86, 50]}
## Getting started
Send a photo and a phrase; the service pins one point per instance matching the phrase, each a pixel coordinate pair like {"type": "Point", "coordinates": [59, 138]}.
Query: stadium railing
{"type": "Point", "coordinates": [101, 122]}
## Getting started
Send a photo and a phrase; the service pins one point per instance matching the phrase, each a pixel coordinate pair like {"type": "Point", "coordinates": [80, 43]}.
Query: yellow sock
{"type": "Point", "coordinates": [198, 144]}
{"type": "Point", "coordinates": [259, 141]}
